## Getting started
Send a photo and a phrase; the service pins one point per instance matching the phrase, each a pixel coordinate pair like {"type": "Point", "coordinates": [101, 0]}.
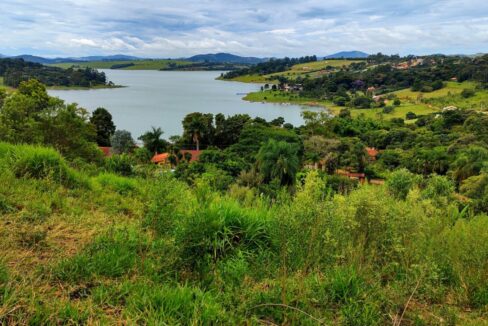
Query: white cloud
{"type": "Point", "coordinates": [164, 28]}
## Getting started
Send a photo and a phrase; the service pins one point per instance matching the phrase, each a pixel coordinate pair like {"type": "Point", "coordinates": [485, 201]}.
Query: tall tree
{"type": "Point", "coordinates": [102, 120]}
{"type": "Point", "coordinates": [153, 142]}
{"type": "Point", "coordinates": [278, 160]}
{"type": "Point", "coordinates": [122, 142]}
{"type": "Point", "coordinates": [198, 127]}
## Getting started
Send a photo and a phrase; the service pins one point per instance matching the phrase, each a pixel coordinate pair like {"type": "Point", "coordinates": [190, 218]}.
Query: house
{"type": "Point", "coordinates": [163, 158]}
{"type": "Point", "coordinates": [195, 155]}
{"type": "Point", "coordinates": [449, 108]}
{"type": "Point", "coordinates": [372, 153]}
{"type": "Point", "coordinates": [361, 177]}
{"type": "Point", "coordinates": [107, 151]}
{"type": "Point", "coordinates": [160, 159]}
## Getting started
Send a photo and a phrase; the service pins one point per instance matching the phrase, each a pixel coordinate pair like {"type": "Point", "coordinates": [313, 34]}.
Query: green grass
{"type": "Point", "coordinates": [451, 88]}
{"type": "Point", "coordinates": [284, 97]}
{"type": "Point", "coordinates": [138, 64]}
{"type": "Point", "coordinates": [398, 112]}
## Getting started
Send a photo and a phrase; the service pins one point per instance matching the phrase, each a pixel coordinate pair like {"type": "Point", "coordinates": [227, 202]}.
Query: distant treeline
{"type": "Point", "coordinates": [269, 67]}
{"type": "Point", "coordinates": [209, 66]}
{"type": "Point", "coordinates": [14, 71]}
{"type": "Point", "coordinates": [122, 65]}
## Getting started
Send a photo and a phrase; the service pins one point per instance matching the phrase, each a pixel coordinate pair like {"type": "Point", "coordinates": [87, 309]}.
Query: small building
{"type": "Point", "coordinates": [107, 151]}
{"type": "Point", "coordinates": [160, 159]}
{"type": "Point", "coordinates": [186, 154]}
{"type": "Point", "coordinates": [372, 153]}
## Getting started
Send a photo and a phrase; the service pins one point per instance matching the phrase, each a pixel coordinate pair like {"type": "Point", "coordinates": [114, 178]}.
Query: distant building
{"type": "Point", "coordinates": [163, 158]}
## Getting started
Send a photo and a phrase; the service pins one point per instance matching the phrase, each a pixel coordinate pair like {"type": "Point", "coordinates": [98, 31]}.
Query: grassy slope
{"type": "Point", "coordinates": [312, 69]}
{"type": "Point", "coordinates": [138, 64]}
{"type": "Point", "coordinates": [133, 276]}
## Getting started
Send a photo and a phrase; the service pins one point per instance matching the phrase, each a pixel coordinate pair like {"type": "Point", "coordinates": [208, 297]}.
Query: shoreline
{"type": "Point", "coordinates": [81, 88]}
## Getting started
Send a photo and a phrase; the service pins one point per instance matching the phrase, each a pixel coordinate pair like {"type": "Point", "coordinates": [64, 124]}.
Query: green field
{"type": "Point", "coordinates": [138, 64]}
{"type": "Point", "coordinates": [451, 88]}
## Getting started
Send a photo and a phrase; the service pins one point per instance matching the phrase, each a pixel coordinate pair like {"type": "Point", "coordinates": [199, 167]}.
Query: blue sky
{"type": "Point", "coordinates": [175, 28]}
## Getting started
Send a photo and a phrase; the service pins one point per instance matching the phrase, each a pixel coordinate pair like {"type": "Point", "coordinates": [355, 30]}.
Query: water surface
{"type": "Point", "coordinates": [163, 98]}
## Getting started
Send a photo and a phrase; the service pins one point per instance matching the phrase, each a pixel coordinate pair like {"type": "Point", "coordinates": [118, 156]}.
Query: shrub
{"type": "Point", "coordinates": [397, 102]}
{"type": "Point", "coordinates": [388, 109]}
{"type": "Point", "coordinates": [400, 183]}
{"type": "Point", "coordinates": [119, 164]}
{"type": "Point", "coordinates": [410, 116]}
{"type": "Point", "coordinates": [466, 93]}
{"type": "Point", "coordinates": [220, 230]}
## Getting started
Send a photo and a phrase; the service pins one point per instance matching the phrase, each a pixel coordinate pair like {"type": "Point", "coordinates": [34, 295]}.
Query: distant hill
{"type": "Point", "coordinates": [117, 57]}
{"type": "Point", "coordinates": [225, 58]}
{"type": "Point", "coordinates": [347, 55]}
{"type": "Point", "coordinates": [45, 61]}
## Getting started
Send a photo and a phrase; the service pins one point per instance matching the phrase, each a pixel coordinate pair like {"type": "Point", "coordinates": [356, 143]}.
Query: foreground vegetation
{"type": "Point", "coordinates": [260, 230]}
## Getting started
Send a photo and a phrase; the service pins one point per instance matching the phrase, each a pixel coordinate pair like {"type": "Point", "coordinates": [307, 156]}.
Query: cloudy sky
{"type": "Point", "coordinates": [174, 28]}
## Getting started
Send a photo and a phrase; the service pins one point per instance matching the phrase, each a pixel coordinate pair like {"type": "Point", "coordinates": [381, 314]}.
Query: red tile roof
{"type": "Point", "coordinates": [195, 155]}
{"type": "Point", "coordinates": [158, 158]}
{"type": "Point", "coordinates": [372, 152]}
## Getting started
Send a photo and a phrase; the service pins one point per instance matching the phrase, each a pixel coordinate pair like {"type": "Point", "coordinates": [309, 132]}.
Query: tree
{"type": "Point", "coordinates": [469, 162]}
{"type": "Point", "coordinates": [153, 142]}
{"type": "Point", "coordinates": [102, 120]}
{"type": "Point", "coordinates": [198, 128]}
{"type": "Point", "coordinates": [278, 160]}
{"type": "Point", "coordinates": [122, 142]}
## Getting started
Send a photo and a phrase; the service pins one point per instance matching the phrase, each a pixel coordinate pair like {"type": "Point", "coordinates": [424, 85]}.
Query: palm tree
{"type": "Point", "coordinates": [278, 160]}
{"type": "Point", "coordinates": [152, 140]}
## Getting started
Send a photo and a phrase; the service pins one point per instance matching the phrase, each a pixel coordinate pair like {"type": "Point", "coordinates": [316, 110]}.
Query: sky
{"type": "Point", "coordinates": [272, 28]}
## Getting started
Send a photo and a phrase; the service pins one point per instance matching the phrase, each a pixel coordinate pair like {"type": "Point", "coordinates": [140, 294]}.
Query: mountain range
{"type": "Point", "coordinates": [210, 57]}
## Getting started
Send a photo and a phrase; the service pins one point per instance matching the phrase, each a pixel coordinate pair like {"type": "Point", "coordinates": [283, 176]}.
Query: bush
{"type": "Point", "coordinates": [397, 102]}
{"type": "Point", "coordinates": [219, 231]}
{"type": "Point", "coordinates": [410, 116]}
{"type": "Point", "coordinates": [400, 183]}
{"type": "Point", "coordinates": [388, 109]}
{"type": "Point", "coordinates": [466, 93]}
{"type": "Point", "coordinates": [119, 164]}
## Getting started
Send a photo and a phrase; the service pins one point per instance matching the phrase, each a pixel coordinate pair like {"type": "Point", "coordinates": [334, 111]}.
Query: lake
{"type": "Point", "coordinates": [164, 98]}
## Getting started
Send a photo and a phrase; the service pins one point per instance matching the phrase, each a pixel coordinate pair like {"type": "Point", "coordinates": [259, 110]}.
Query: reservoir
{"type": "Point", "coordinates": [164, 98]}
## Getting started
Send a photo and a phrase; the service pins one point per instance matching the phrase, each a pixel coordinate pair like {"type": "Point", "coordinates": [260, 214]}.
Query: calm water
{"type": "Point", "coordinates": [163, 98]}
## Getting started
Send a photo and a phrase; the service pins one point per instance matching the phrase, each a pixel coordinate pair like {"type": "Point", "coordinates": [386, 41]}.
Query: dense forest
{"type": "Point", "coordinates": [14, 71]}
{"type": "Point", "coordinates": [266, 227]}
